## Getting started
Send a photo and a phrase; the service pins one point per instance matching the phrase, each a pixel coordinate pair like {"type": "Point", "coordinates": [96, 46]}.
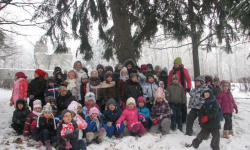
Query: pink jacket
{"type": "Point", "coordinates": [187, 79]}
{"type": "Point", "coordinates": [131, 116]}
{"type": "Point", "coordinates": [226, 101]}
{"type": "Point", "coordinates": [80, 122]}
{"type": "Point", "coordinates": [20, 90]}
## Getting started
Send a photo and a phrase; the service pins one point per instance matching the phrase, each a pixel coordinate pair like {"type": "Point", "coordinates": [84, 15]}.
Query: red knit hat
{"type": "Point", "coordinates": [21, 75]}
{"type": "Point", "coordinates": [40, 72]}
{"type": "Point", "coordinates": [141, 99]}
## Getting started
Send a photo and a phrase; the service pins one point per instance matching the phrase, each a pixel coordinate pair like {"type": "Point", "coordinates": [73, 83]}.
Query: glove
{"type": "Point", "coordinates": [160, 117]}
{"type": "Point", "coordinates": [140, 113]}
{"type": "Point", "coordinates": [102, 129]}
{"type": "Point", "coordinates": [120, 103]}
{"type": "Point", "coordinates": [141, 117]}
{"type": "Point", "coordinates": [39, 143]}
{"type": "Point", "coordinates": [26, 138]}
{"type": "Point", "coordinates": [118, 126]}
{"type": "Point", "coordinates": [236, 110]}
{"type": "Point", "coordinates": [109, 124]}
{"type": "Point", "coordinates": [204, 119]}
{"type": "Point", "coordinates": [32, 97]}
{"type": "Point", "coordinates": [62, 142]}
{"type": "Point", "coordinates": [80, 126]}
{"type": "Point", "coordinates": [144, 120]}
{"type": "Point", "coordinates": [94, 119]}
{"type": "Point", "coordinates": [18, 121]}
{"type": "Point", "coordinates": [188, 90]}
{"type": "Point", "coordinates": [155, 121]}
{"type": "Point", "coordinates": [68, 145]}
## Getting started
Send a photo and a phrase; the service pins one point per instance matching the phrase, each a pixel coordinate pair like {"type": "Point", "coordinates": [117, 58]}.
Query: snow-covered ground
{"type": "Point", "coordinates": [173, 141]}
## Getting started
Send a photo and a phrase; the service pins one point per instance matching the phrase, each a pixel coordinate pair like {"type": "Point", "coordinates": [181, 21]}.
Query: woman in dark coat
{"type": "Point", "coordinates": [64, 99]}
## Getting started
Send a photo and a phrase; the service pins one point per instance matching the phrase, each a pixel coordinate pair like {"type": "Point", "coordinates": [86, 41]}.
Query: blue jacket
{"type": "Point", "coordinates": [112, 116]}
{"type": "Point", "coordinates": [143, 111]}
{"type": "Point", "coordinates": [52, 91]}
{"type": "Point", "coordinates": [93, 127]}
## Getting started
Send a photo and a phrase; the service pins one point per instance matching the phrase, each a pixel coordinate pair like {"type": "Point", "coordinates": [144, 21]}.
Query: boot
{"type": "Point", "coordinates": [225, 134]}
{"type": "Point", "coordinates": [118, 136]}
{"type": "Point", "coordinates": [47, 145]}
{"type": "Point", "coordinates": [133, 133]}
{"type": "Point", "coordinates": [231, 132]}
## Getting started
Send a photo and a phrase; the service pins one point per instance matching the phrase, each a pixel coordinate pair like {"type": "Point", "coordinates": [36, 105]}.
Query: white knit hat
{"type": "Point", "coordinates": [90, 96]}
{"type": "Point", "coordinates": [47, 108]}
{"type": "Point", "coordinates": [130, 100]}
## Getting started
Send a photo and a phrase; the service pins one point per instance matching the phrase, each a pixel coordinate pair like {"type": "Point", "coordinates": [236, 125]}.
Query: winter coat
{"type": "Point", "coordinates": [175, 94]}
{"type": "Point", "coordinates": [130, 115]}
{"type": "Point", "coordinates": [64, 101]}
{"type": "Point", "coordinates": [216, 90]}
{"type": "Point", "coordinates": [83, 88]}
{"type": "Point", "coordinates": [132, 89]}
{"type": "Point", "coordinates": [211, 109]}
{"type": "Point", "coordinates": [79, 83]}
{"type": "Point", "coordinates": [141, 78]}
{"type": "Point", "coordinates": [37, 88]}
{"type": "Point", "coordinates": [226, 101]}
{"type": "Point", "coordinates": [28, 127]}
{"type": "Point", "coordinates": [116, 75]}
{"type": "Point", "coordinates": [52, 91]}
{"type": "Point", "coordinates": [149, 90]}
{"type": "Point", "coordinates": [196, 99]}
{"type": "Point", "coordinates": [93, 126]}
{"type": "Point", "coordinates": [187, 79]}
{"type": "Point", "coordinates": [20, 90]}
{"type": "Point", "coordinates": [96, 89]}
{"type": "Point", "coordinates": [112, 116]}
{"type": "Point", "coordinates": [20, 114]}
{"type": "Point", "coordinates": [43, 123]}
{"type": "Point", "coordinates": [108, 91]}
{"type": "Point", "coordinates": [129, 61]}
{"type": "Point", "coordinates": [160, 110]}
{"type": "Point", "coordinates": [143, 111]}
{"type": "Point", "coordinates": [121, 89]}
{"type": "Point", "coordinates": [81, 125]}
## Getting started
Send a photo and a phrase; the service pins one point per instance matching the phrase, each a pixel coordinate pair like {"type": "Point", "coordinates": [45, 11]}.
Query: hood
{"type": "Point", "coordinates": [21, 101]}
{"type": "Point", "coordinates": [116, 67]}
{"type": "Point", "coordinates": [129, 61]}
{"type": "Point", "coordinates": [164, 70]}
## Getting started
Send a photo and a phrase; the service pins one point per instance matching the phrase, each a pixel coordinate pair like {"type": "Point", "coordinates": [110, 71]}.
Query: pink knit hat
{"type": "Point", "coordinates": [93, 110]}
{"type": "Point", "coordinates": [159, 93]}
{"type": "Point", "coordinates": [37, 103]}
{"type": "Point", "coordinates": [73, 106]}
{"type": "Point", "coordinates": [141, 99]}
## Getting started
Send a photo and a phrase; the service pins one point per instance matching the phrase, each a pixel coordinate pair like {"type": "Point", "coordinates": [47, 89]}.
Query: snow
{"type": "Point", "coordinates": [173, 141]}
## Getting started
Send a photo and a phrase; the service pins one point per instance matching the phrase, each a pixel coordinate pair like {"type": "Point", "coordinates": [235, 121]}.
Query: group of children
{"type": "Point", "coordinates": [104, 104]}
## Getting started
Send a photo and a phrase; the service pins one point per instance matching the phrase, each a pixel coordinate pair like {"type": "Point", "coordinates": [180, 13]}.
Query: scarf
{"type": "Point", "coordinates": [94, 81]}
{"type": "Point", "coordinates": [124, 78]}
{"type": "Point", "coordinates": [97, 124]}
{"type": "Point", "coordinates": [36, 113]}
{"type": "Point", "coordinates": [67, 129]}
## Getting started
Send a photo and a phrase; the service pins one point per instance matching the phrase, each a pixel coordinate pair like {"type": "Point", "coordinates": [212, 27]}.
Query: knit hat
{"type": "Point", "coordinates": [84, 76]}
{"type": "Point", "coordinates": [149, 66]}
{"type": "Point", "coordinates": [62, 88]}
{"type": "Point", "coordinates": [201, 79]}
{"type": "Point", "coordinates": [65, 111]}
{"type": "Point", "coordinates": [226, 84]}
{"type": "Point", "coordinates": [133, 74]}
{"type": "Point", "coordinates": [47, 108]}
{"type": "Point", "coordinates": [130, 100]}
{"type": "Point", "coordinates": [161, 82]}
{"type": "Point", "coordinates": [51, 79]}
{"type": "Point", "coordinates": [216, 79]}
{"type": "Point", "coordinates": [164, 70]}
{"type": "Point", "coordinates": [178, 61]}
{"type": "Point", "coordinates": [99, 66]}
{"type": "Point", "coordinates": [37, 103]}
{"type": "Point", "coordinates": [107, 75]}
{"type": "Point", "coordinates": [148, 75]}
{"type": "Point", "coordinates": [90, 96]}
{"type": "Point", "coordinates": [93, 110]}
{"type": "Point", "coordinates": [208, 79]}
{"type": "Point", "coordinates": [123, 69]}
{"type": "Point", "coordinates": [73, 107]}
{"type": "Point", "coordinates": [157, 67]}
{"type": "Point", "coordinates": [159, 94]}
{"type": "Point", "coordinates": [141, 99]}
{"type": "Point", "coordinates": [21, 75]}
{"type": "Point", "coordinates": [79, 105]}
{"type": "Point", "coordinates": [175, 77]}
{"type": "Point", "coordinates": [109, 68]}
{"type": "Point", "coordinates": [56, 69]}
{"type": "Point", "coordinates": [111, 101]}
{"type": "Point", "coordinates": [211, 96]}
{"type": "Point", "coordinates": [40, 72]}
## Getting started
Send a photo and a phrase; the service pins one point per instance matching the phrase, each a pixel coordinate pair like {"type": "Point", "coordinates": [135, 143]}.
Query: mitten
{"type": "Point", "coordinates": [118, 126]}
{"type": "Point", "coordinates": [155, 121]}
{"type": "Point", "coordinates": [109, 124]}
{"type": "Point", "coordinates": [68, 145]}
{"type": "Point", "coordinates": [32, 97]}
{"type": "Point", "coordinates": [102, 129]}
{"type": "Point", "coordinates": [188, 90]}
{"type": "Point", "coordinates": [141, 117]}
{"type": "Point", "coordinates": [94, 119]}
{"type": "Point", "coordinates": [204, 119]}
{"type": "Point", "coordinates": [236, 110]}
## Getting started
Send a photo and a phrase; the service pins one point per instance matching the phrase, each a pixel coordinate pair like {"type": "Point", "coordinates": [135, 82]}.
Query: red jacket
{"type": "Point", "coordinates": [28, 124]}
{"type": "Point", "coordinates": [19, 90]}
{"type": "Point", "coordinates": [187, 79]}
{"type": "Point", "coordinates": [226, 101]}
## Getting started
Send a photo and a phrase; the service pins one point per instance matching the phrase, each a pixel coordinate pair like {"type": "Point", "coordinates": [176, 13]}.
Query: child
{"type": "Point", "coordinates": [79, 111]}
{"type": "Point", "coordinates": [90, 102]}
{"type": "Point", "coordinates": [176, 97]}
{"type": "Point", "coordinates": [96, 128]}
{"type": "Point", "coordinates": [209, 118]}
{"type": "Point", "coordinates": [19, 116]}
{"type": "Point", "coordinates": [130, 114]}
{"type": "Point", "coordinates": [150, 70]}
{"type": "Point", "coordinates": [160, 114]}
{"type": "Point", "coordinates": [143, 112]}
{"type": "Point", "coordinates": [141, 78]}
{"type": "Point", "coordinates": [100, 70]}
{"type": "Point", "coordinates": [45, 130]}
{"type": "Point", "coordinates": [227, 103]}
{"type": "Point", "coordinates": [195, 103]}
{"type": "Point", "coordinates": [20, 88]}
{"type": "Point", "coordinates": [216, 88]}
{"type": "Point", "coordinates": [51, 100]}
{"type": "Point", "coordinates": [116, 73]}
{"type": "Point", "coordinates": [112, 114]}
{"type": "Point", "coordinates": [83, 88]}
{"type": "Point", "coordinates": [94, 86]}
{"type": "Point", "coordinates": [52, 88]}
{"type": "Point", "coordinates": [209, 82]}
{"type": "Point", "coordinates": [129, 64]}
{"type": "Point", "coordinates": [149, 89]}
{"type": "Point", "coordinates": [57, 116]}
{"type": "Point", "coordinates": [67, 132]}
{"type": "Point", "coordinates": [80, 122]}
{"type": "Point", "coordinates": [59, 79]}
{"type": "Point", "coordinates": [32, 117]}
{"type": "Point", "coordinates": [37, 87]}
{"type": "Point", "coordinates": [164, 77]}
{"type": "Point", "coordinates": [121, 86]}
{"type": "Point", "coordinates": [71, 81]}
{"type": "Point", "coordinates": [161, 85]}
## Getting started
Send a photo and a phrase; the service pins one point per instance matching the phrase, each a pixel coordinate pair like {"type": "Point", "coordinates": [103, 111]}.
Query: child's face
{"type": "Point", "coordinates": [94, 115]}
{"type": "Point", "coordinates": [217, 83]}
{"type": "Point", "coordinates": [78, 66]}
{"type": "Point", "coordinates": [208, 83]}
{"type": "Point", "coordinates": [159, 99]}
{"type": "Point", "coordinates": [120, 67]}
{"type": "Point", "coordinates": [197, 83]}
{"type": "Point", "coordinates": [134, 78]}
{"type": "Point", "coordinates": [162, 85]}
{"type": "Point", "coordinates": [20, 106]}
{"type": "Point", "coordinates": [52, 103]}
{"type": "Point", "coordinates": [91, 102]}
{"type": "Point", "coordinates": [129, 66]}
{"type": "Point", "coordinates": [84, 80]}
{"type": "Point", "coordinates": [149, 69]}
{"type": "Point", "coordinates": [141, 104]}
{"type": "Point", "coordinates": [38, 109]}
{"type": "Point", "coordinates": [51, 84]}
{"type": "Point", "coordinates": [175, 81]}
{"type": "Point", "coordinates": [67, 117]}
{"type": "Point", "coordinates": [109, 79]}
{"type": "Point", "coordinates": [206, 95]}
{"type": "Point", "coordinates": [131, 105]}
{"type": "Point", "coordinates": [47, 115]}
{"type": "Point", "coordinates": [79, 110]}
{"type": "Point", "coordinates": [111, 107]}
{"type": "Point", "coordinates": [164, 75]}
{"type": "Point", "coordinates": [124, 73]}
{"type": "Point", "coordinates": [157, 70]}
{"type": "Point", "coordinates": [59, 76]}
{"type": "Point", "coordinates": [36, 75]}
{"type": "Point", "coordinates": [100, 70]}
{"type": "Point", "coordinates": [225, 88]}
{"type": "Point", "coordinates": [150, 79]}
{"type": "Point", "coordinates": [63, 93]}
{"type": "Point", "coordinates": [94, 74]}
{"type": "Point", "coordinates": [72, 75]}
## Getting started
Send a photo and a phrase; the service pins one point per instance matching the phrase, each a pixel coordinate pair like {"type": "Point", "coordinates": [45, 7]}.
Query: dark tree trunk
{"type": "Point", "coordinates": [123, 39]}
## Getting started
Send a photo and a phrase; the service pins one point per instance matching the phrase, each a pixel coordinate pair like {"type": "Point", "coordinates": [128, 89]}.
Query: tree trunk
{"type": "Point", "coordinates": [123, 39]}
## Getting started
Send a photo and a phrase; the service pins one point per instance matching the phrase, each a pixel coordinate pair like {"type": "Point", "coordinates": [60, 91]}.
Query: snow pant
{"type": "Point", "coordinates": [99, 103]}
{"type": "Point", "coordinates": [75, 145]}
{"type": "Point", "coordinates": [138, 128]}
{"type": "Point", "coordinates": [90, 136]}
{"type": "Point", "coordinates": [82, 145]}
{"type": "Point", "coordinates": [228, 121]}
{"type": "Point", "coordinates": [184, 113]}
{"type": "Point", "coordinates": [113, 130]}
{"type": "Point", "coordinates": [215, 142]}
{"type": "Point", "coordinates": [47, 136]}
{"type": "Point", "coordinates": [162, 127]}
{"type": "Point", "coordinates": [18, 128]}
{"type": "Point", "coordinates": [176, 116]}
{"type": "Point", "coordinates": [192, 115]}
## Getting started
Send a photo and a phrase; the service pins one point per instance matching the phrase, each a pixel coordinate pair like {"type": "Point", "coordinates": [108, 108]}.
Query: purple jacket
{"type": "Point", "coordinates": [226, 101]}
{"type": "Point", "coordinates": [160, 110]}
